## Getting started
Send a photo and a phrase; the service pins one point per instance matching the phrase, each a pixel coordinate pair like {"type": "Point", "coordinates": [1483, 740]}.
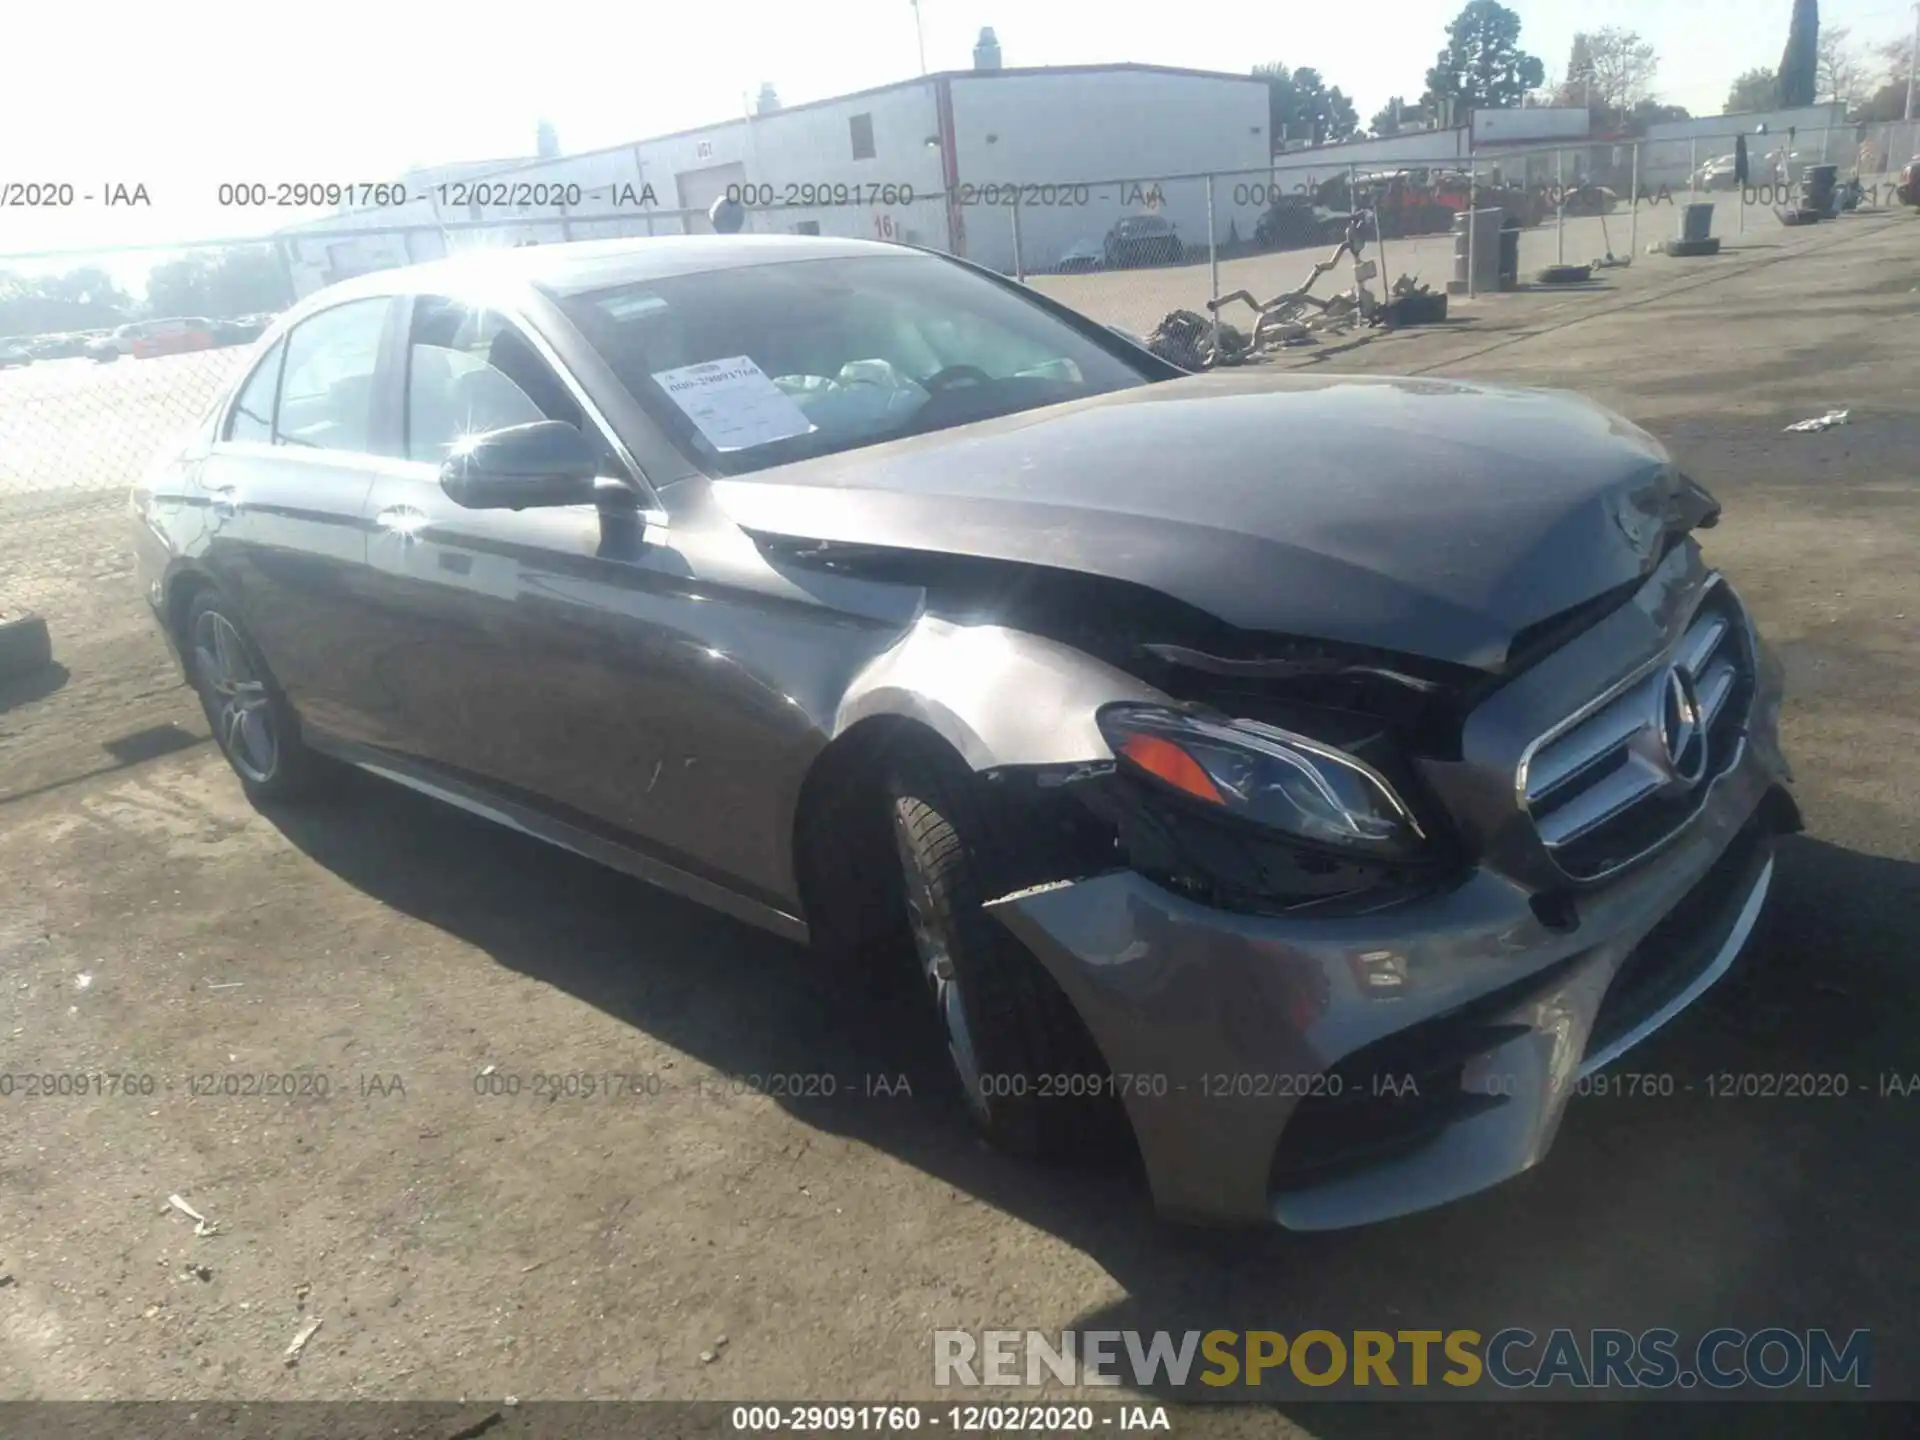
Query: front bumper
{"type": "Point", "coordinates": [1322, 1073]}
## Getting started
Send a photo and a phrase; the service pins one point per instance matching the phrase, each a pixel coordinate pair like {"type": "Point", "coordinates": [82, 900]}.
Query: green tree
{"type": "Point", "coordinates": [1648, 112]}
{"type": "Point", "coordinates": [1396, 115]}
{"type": "Point", "coordinates": [1756, 89]}
{"type": "Point", "coordinates": [1577, 88]}
{"type": "Point", "coordinates": [85, 298]}
{"type": "Point", "coordinates": [241, 280]}
{"type": "Point", "coordinates": [1841, 74]}
{"type": "Point", "coordinates": [1325, 110]}
{"type": "Point", "coordinates": [1800, 61]}
{"type": "Point", "coordinates": [1623, 67]}
{"type": "Point", "coordinates": [1300, 106]}
{"type": "Point", "coordinates": [1887, 82]}
{"type": "Point", "coordinates": [1482, 65]}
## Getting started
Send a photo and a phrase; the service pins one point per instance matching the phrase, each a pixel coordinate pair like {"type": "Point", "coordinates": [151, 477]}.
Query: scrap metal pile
{"type": "Point", "coordinates": [1194, 342]}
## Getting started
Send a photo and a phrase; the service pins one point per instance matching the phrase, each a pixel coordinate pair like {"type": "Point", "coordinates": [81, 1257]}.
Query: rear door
{"type": "Point", "coordinates": [284, 488]}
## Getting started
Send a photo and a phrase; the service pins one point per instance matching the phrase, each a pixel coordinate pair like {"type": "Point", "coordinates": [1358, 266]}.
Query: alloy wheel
{"type": "Point", "coordinates": [238, 705]}
{"type": "Point", "coordinates": [935, 951]}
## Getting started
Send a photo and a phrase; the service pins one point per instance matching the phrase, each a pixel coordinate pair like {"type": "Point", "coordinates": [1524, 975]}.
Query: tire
{"type": "Point", "coordinates": [1686, 249]}
{"type": "Point", "coordinates": [1008, 1025]}
{"type": "Point", "coordinates": [25, 647]}
{"type": "Point", "coordinates": [254, 726]}
{"type": "Point", "coordinates": [1565, 275]}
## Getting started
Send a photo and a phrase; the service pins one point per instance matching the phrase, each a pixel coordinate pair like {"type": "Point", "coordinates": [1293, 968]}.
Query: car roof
{"type": "Point", "coordinates": [581, 265]}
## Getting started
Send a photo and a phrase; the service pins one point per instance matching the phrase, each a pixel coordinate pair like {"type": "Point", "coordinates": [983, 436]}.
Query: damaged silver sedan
{"type": "Point", "coordinates": [1311, 778]}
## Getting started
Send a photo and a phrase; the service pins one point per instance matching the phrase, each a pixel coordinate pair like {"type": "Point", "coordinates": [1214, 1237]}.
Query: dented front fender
{"type": "Point", "coordinates": [998, 696]}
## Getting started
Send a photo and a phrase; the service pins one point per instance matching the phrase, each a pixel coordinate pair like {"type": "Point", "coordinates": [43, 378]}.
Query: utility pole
{"type": "Point", "coordinates": [1913, 60]}
{"type": "Point", "coordinates": [920, 35]}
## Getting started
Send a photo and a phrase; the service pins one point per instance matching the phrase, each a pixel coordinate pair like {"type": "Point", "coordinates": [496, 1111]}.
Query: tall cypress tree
{"type": "Point", "coordinates": [1800, 62]}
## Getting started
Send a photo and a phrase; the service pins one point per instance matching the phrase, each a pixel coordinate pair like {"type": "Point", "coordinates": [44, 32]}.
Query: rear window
{"type": "Point", "coordinates": [764, 365]}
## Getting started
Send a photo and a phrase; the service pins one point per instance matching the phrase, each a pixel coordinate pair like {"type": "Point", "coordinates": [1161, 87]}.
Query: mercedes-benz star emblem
{"type": "Point", "coordinates": [1681, 733]}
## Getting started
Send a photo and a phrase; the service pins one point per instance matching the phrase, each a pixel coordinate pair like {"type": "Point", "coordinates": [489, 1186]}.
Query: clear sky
{"type": "Point", "coordinates": [184, 94]}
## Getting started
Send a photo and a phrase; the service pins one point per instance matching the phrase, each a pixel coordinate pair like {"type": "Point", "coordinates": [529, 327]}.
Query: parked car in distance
{"type": "Point", "coordinates": [1308, 748]}
{"type": "Point", "coordinates": [1908, 189]}
{"type": "Point", "coordinates": [58, 347]}
{"type": "Point", "coordinates": [145, 339]}
{"type": "Point", "coordinates": [1142, 240]}
{"type": "Point", "coordinates": [239, 330]}
{"type": "Point", "coordinates": [1080, 257]}
{"type": "Point", "coordinates": [1295, 221]}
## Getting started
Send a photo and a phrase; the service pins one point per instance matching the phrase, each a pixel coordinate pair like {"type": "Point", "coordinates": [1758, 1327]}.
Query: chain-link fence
{"type": "Point", "coordinates": [90, 394]}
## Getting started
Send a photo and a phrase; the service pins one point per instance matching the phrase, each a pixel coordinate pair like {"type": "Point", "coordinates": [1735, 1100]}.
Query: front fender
{"type": "Point", "coordinates": [998, 696]}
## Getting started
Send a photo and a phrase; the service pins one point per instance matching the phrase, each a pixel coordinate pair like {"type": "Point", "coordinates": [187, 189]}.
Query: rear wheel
{"type": "Point", "coordinates": [1032, 1079]}
{"type": "Point", "coordinates": [252, 723]}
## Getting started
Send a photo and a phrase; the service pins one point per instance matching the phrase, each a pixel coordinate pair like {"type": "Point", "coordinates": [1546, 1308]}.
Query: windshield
{"type": "Point", "coordinates": [758, 366]}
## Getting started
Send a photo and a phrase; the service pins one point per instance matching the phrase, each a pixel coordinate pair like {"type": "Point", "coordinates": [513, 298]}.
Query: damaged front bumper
{"type": "Point", "coordinates": [1328, 1072]}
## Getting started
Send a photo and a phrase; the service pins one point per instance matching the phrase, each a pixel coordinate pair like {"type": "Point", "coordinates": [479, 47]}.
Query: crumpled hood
{"type": "Point", "coordinates": [1435, 518]}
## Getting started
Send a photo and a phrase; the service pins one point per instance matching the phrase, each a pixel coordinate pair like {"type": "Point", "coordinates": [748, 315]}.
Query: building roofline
{"type": "Point", "coordinates": [1010, 72]}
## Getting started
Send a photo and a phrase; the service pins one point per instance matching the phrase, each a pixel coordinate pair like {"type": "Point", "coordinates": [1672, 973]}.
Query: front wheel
{"type": "Point", "coordinates": [1032, 1079]}
{"type": "Point", "coordinates": [252, 723]}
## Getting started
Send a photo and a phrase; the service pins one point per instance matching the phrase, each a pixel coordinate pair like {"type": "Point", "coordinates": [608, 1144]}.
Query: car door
{"type": "Point", "coordinates": [596, 663]}
{"type": "Point", "coordinates": [493, 651]}
{"type": "Point", "coordinates": [284, 488]}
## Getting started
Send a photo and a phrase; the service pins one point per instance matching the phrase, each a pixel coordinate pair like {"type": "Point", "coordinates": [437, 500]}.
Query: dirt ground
{"type": "Point", "coordinates": [165, 943]}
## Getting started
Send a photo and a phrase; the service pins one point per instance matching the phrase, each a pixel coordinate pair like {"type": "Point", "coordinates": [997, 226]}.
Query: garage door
{"type": "Point", "coordinates": [700, 188]}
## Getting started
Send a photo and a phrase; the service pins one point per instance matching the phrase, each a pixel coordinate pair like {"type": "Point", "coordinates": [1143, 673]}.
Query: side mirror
{"type": "Point", "coordinates": [545, 463]}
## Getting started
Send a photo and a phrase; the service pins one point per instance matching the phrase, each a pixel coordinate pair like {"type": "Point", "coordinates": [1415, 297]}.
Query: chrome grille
{"type": "Point", "coordinates": [1617, 778]}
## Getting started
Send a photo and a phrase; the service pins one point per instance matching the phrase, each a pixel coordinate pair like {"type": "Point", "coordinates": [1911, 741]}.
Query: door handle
{"type": "Point", "coordinates": [223, 498]}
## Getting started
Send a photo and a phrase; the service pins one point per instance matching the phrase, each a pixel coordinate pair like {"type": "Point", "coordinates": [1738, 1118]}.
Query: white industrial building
{"type": "Point", "coordinates": [930, 161]}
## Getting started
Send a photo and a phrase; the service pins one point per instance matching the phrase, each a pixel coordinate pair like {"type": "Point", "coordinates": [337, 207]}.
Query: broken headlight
{"type": "Point", "coordinates": [1266, 776]}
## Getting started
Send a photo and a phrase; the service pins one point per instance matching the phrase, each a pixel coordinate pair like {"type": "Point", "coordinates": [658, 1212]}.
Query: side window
{"type": "Point", "coordinates": [470, 371]}
{"type": "Point", "coordinates": [252, 416]}
{"type": "Point", "coordinates": [326, 389]}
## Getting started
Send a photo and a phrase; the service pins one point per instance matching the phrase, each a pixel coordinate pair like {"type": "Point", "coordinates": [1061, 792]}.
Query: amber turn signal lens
{"type": "Point", "coordinates": [1167, 761]}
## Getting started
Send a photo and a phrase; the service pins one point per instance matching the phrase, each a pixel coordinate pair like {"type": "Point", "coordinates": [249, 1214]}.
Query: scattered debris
{"type": "Point", "coordinates": [300, 1293]}
{"type": "Point", "coordinates": [299, 1342]}
{"type": "Point", "coordinates": [1819, 422]}
{"type": "Point", "coordinates": [720, 1342]}
{"type": "Point", "coordinates": [1292, 318]}
{"type": "Point", "coordinates": [201, 1225]}
{"type": "Point", "coordinates": [150, 1312]}
{"type": "Point", "coordinates": [227, 985]}
{"type": "Point", "coordinates": [6, 1280]}
{"type": "Point", "coordinates": [1565, 275]}
{"type": "Point", "coordinates": [1187, 339]}
{"type": "Point", "coordinates": [1413, 304]}
{"type": "Point", "coordinates": [83, 981]}
{"type": "Point", "coordinates": [1611, 261]}
{"type": "Point", "coordinates": [707, 1357]}
{"type": "Point", "coordinates": [200, 1272]}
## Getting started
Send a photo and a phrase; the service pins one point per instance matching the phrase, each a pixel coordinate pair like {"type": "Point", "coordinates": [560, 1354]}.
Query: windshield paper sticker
{"type": "Point", "coordinates": [734, 403]}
